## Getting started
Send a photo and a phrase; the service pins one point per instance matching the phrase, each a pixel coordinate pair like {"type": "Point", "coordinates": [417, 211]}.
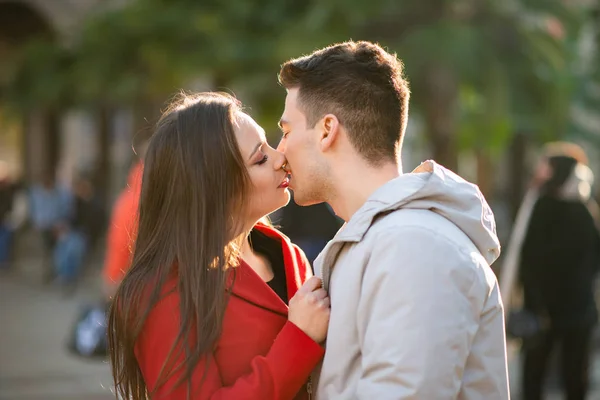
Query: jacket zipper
{"type": "Point", "coordinates": [309, 387]}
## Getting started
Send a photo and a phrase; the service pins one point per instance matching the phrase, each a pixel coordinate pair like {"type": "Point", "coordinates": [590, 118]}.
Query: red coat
{"type": "Point", "coordinates": [260, 355]}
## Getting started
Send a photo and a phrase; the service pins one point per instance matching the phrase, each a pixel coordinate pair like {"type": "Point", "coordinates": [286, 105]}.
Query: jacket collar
{"type": "Point", "coordinates": [389, 197]}
{"type": "Point", "coordinates": [379, 202]}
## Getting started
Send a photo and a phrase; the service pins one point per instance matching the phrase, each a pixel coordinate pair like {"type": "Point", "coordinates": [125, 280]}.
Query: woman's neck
{"type": "Point", "coordinates": [246, 249]}
{"type": "Point", "coordinates": [256, 261]}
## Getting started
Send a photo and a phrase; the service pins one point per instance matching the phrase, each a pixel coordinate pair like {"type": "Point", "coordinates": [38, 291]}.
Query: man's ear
{"type": "Point", "coordinates": [330, 129]}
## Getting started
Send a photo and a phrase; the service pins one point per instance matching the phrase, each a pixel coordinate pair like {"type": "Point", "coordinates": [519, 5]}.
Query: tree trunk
{"type": "Point", "coordinates": [54, 140]}
{"type": "Point", "coordinates": [518, 172]}
{"type": "Point", "coordinates": [439, 98]}
{"type": "Point", "coordinates": [220, 81]}
{"type": "Point", "coordinates": [102, 175]}
{"type": "Point", "coordinates": [485, 173]}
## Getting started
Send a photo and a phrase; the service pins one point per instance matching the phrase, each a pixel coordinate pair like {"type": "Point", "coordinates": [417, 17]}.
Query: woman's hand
{"type": "Point", "coordinates": [309, 309]}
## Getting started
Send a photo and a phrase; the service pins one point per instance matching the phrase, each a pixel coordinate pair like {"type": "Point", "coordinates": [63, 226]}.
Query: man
{"type": "Point", "coordinates": [415, 307]}
{"type": "Point", "coordinates": [51, 206]}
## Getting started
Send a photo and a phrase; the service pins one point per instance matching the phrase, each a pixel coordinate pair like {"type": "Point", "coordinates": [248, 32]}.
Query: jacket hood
{"type": "Point", "coordinates": [431, 187]}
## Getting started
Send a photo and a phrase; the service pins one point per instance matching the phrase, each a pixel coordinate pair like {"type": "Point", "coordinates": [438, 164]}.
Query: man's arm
{"type": "Point", "coordinates": [416, 317]}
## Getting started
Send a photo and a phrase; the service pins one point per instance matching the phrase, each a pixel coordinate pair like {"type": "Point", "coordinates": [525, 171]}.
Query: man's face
{"type": "Point", "coordinates": [299, 144]}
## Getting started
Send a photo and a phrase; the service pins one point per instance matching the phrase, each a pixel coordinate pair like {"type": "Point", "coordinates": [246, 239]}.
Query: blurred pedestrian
{"type": "Point", "coordinates": [7, 195]}
{"type": "Point", "coordinates": [558, 260]}
{"type": "Point", "coordinates": [17, 218]}
{"type": "Point", "coordinates": [51, 205]}
{"type": "Point", "coordinates": [122, 228]}
{"type": "Point", "coordinates": [76, 234]}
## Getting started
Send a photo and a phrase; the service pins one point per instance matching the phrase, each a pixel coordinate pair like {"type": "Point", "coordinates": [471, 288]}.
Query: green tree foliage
{"type": "Point", "coordinates": [480, 70]}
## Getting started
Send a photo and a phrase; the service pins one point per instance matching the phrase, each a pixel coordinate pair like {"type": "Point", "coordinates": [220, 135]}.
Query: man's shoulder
{"type": "Point", "coordinates": [406, 221]}
{"type": "Point", "coordinates": [417, 242]}
{"type": "Point", "coordinates": [426, 233]}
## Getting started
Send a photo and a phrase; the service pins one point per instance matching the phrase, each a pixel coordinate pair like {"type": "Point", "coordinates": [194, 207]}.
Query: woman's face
{"type": "Point", "coordinates": [543, 172]}
{"type": "Point", "coordinates": [269, 181]}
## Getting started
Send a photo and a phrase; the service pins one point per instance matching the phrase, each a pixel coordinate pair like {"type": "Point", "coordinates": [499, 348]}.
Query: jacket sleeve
{"type": "Point", "coordinates": [279, 374]}
{"type": "Point", "coordinates": [418, 315]}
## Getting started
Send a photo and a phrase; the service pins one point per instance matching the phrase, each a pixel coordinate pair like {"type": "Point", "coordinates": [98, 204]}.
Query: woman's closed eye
{"type": "Point", "coordinates": [263, 160]}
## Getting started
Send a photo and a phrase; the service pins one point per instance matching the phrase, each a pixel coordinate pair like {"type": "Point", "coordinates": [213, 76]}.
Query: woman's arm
{"type": "Point", "coordinates": [280, 374]}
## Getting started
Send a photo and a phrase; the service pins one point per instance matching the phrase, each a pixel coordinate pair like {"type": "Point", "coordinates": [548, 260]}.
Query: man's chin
{"type": "Point", "coordinates": [303, 201]}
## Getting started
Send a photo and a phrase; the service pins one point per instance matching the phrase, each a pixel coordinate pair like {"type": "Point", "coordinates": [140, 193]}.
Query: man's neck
{"type": "Point", "coordinates": [355, 183]}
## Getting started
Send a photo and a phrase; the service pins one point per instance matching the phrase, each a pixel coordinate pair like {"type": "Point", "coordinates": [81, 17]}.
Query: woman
{"type": "Point", "coordinates": [559, 259]}
{"type": "Point", "coordinates": [203, 312]}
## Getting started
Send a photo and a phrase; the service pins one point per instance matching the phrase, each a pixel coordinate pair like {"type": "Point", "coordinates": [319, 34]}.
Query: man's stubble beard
{"type": "Point", "coordinates": [315, 190]}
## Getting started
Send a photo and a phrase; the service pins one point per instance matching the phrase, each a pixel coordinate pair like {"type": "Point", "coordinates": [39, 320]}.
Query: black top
{"type": "Point", "coordinates": [271, 249]}
{"type": "Point", "coordinates": [313, 222]}
{"type": "Point", "coordinates": [559, 261]}
{"type": "Point", "coordinates": [87, 217]}
{"type": "Point", "coordinates": [7, 193]}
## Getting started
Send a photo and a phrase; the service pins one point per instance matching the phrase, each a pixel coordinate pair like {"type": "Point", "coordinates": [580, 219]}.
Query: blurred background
{"type": "Point", "coordinates": [83, 81]}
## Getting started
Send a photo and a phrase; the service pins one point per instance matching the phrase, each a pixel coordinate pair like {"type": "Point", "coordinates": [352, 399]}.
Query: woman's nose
{"type": "Point", "coordinates": [280, 161]}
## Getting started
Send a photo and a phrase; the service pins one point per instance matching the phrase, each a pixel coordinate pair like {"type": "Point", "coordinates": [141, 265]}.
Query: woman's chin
{"type": "Point", "coordinates": [284, 198]}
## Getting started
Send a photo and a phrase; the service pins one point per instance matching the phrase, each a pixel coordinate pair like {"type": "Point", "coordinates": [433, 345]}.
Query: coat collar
{"type": "Point", "coordinates": [249, 286]}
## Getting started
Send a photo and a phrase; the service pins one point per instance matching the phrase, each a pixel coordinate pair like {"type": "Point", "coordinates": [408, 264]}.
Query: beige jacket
{"type": "Point", "coordinates": [415, 308]}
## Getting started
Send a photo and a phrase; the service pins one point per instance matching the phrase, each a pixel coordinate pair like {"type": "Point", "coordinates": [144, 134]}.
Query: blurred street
{"type": "Point", "coordinates": [35, 323]}
{"type": "Point", "coordinates": [504, 93]}
{"type": "Point", "coordinates": [35, 365]}
{"type": "Point", "coordinates": [553, 392]}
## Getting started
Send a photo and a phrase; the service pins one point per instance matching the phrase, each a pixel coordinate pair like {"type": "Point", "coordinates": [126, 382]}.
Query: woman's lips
{"type": "Point", "coordinates": [285, 183]}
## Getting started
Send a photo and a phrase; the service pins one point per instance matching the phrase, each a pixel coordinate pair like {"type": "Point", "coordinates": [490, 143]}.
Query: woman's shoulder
{"type": "Point", "coordinates": [160, 299]}
{"type": "Point", "coordinates": [162, 315]}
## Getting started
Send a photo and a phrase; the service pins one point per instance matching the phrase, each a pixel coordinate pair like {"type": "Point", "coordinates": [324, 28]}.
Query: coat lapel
{"type": "Point", "coordinates": [249, 286]}
{"type": "Point", "coordinates": [297, 268]}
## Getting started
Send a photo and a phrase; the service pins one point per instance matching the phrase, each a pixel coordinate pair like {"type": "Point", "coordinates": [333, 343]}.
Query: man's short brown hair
{"type": "Point", "coordinates": [363, 86]}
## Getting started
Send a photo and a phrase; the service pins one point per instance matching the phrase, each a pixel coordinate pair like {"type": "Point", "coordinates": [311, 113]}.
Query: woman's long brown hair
{"type": "Point", "coordinates": [194, 177]}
